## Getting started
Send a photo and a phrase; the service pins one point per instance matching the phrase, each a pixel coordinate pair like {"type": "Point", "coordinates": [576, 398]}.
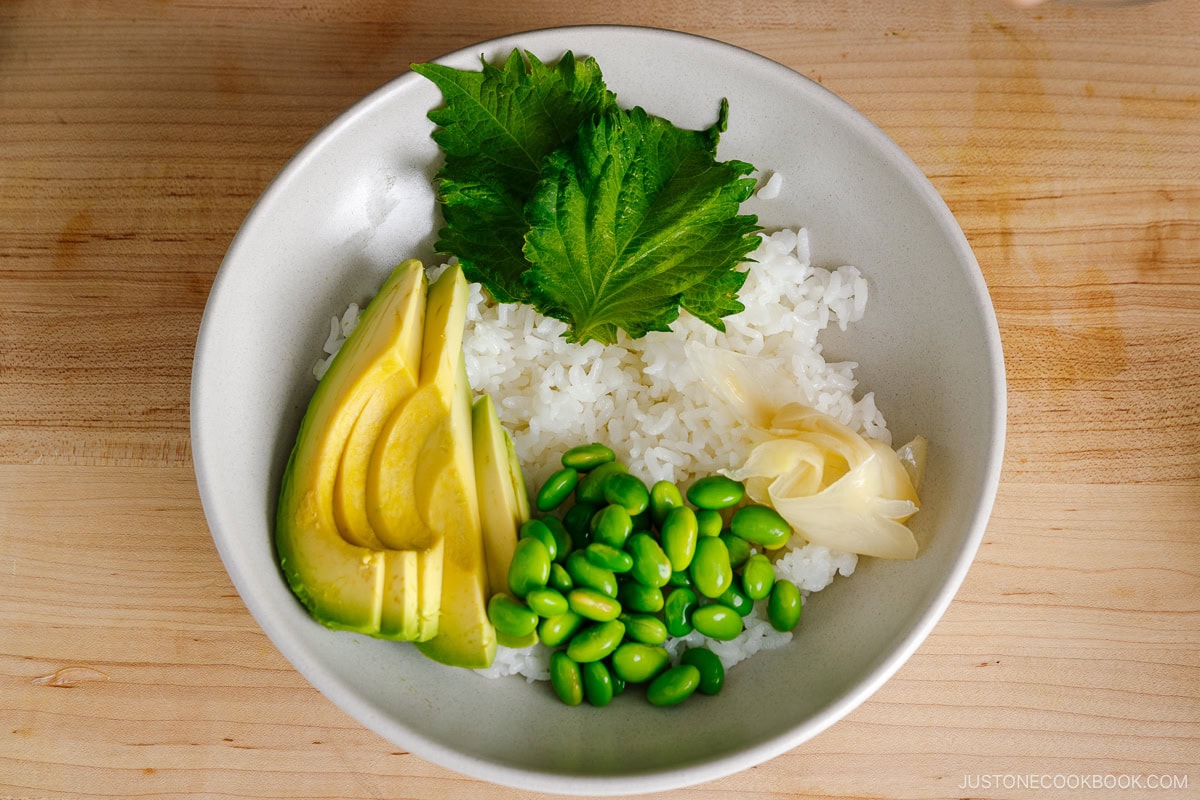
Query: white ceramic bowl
{"type": "Point", "coordinates": [358, 198]}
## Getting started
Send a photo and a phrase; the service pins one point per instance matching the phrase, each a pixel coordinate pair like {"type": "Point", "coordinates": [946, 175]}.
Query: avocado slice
{"type": "Point", "coordinates": [524, 507]}
{"type": "Point", "coordinates": [465, 636]}
{"type": "Point", "coordinates": [500, 513]}
{"type": "Point", "coordinates": [415, 444]}
{"type": "Point", "coordinates": [343, 584]}
{"type": "Point", "coordinates": [421, 492]}
{"type": "Point", "coordinates": [350, 488]}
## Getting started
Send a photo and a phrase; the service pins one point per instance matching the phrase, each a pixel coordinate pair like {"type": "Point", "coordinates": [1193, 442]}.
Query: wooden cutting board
{"type": "Point", "coordinates": [135, 137]}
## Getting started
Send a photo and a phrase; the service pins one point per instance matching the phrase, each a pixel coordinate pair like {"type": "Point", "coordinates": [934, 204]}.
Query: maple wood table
{"type": "Point", "coordinates": [134, 137]}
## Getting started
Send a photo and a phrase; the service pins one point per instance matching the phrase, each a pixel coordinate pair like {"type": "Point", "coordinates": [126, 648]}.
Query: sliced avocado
{"type": "Point", "coordinates": [415, 443]}
{"type": "Point", "coordinates": [499, 512]}
{"type": "Point", "coordinates": [524, 508]}
{"type": "Point", "coordinates": [350, 488]}
{"type": "Point", "coordinates": [421, 491]}
{"type": "Point", "coordinates": [345, 585]}
{"type": "Point", "coordinates": [465, 636]}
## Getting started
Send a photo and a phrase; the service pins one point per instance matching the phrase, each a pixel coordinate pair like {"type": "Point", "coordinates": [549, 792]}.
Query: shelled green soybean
{"type": "Point", "coordinates": [614, 568]}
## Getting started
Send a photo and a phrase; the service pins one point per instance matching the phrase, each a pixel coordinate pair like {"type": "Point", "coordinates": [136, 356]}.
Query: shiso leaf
{"type": "Point", "coordinates": [607, 219]}
{"type": "Point", "coordinates": [495, 130]}
{"type": "Point", "coordinates": [633, 219]}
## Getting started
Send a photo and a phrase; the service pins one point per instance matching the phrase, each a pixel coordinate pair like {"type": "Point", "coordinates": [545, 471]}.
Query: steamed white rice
{"type": "Point", "coordinates": [642, 398]}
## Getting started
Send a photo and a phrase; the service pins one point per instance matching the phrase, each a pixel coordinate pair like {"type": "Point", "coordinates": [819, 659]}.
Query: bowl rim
{"type": "Point", "coordinates": [346, 698]}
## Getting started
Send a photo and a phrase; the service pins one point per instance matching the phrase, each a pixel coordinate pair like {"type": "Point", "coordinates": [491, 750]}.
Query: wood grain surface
{"type": "Point", "coordinates": [134, 138]}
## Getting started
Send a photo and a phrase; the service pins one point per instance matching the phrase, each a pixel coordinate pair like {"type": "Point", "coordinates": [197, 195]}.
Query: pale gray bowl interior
{"type": "Point", "coordinates": [358, 199]}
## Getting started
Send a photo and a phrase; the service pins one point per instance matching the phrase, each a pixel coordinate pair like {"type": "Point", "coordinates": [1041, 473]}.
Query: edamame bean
{"type": "Point", "coordinates": [547, 602]}
{"type": "Point", "coordinates": [761, 525]}
{"type": "Point", "coordinates": [554, 631]}
{"type": "Point", "coordinates": [664, 496]}
{"type": "Point", "coordinates": [516, 642]}
{"type": "Point", "coordinates": [635, 662]}
{"type": "Point", "coordinates": [593, 605]}
{"type": "Point", "coordinates": [612, 526]}
{"type": "Point", "coordinates": [732, 597]}
{"type": "Point", "coordinates": [709, 522]}
{"type": "Point", "coordinates": [597, 683]}
{"type": "Point", "coordinates": [673, 686]}
{"type": "Point", "coordinates": [711, 569]}
{"type": "Point", "coordinates": [640, 598]}
{"type": "Point", "coordinates": [758, 576]}
{"type": "Point", "coordinates": [678, 609]}
{"type": "Point", "coordinates": [644, 628]}
{"type": "Point", "coordinates": [577, 520]}
{"type": "Point", "coordinates": [715, 492]}
{"type": "Point", "coordinates": [596, 642]}
{"type": "Point", "coordinates": [564, 544]}
{"type": "Point", "coordinates": [784, 606]}
{"type": "Point", "coordinates": [529, 568]}
{"type": "Point", "coordinates": [556, 489]}
{"type": "Point", "coordinates": [590, 488]}
{"type": "Point", "coordinates": [587, 456]}
{"type": "Point", "coordinates": [627, 491]}
{"type": "Point", "coordinates": [712, 671]}
{"type": "Point", "coordinates": [566, 678]}
{"type": "Point", "coordinates": [568, 571]}
{"type": "Point", "coordinates": [584, 573]}
{"type": "Point", "coordinates": [609, 557]}
{"type": "Point", "coordinates": [536, 529]}
{"type": "Point", "coordinates": [560, 579]}
{"type": "Point", "coordinates": [651, 567]}
{"type": "Point", "coordinates": [739, 549]}
{"type": "Point", "coordinates": [679, 534]}
{"type": "Point", "coordinates": [510, 617]}
{"type": "Point", "coordinates": [717, 621]}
